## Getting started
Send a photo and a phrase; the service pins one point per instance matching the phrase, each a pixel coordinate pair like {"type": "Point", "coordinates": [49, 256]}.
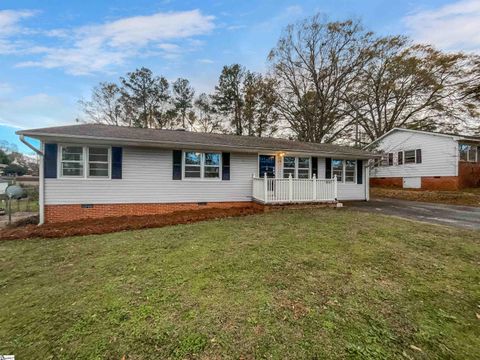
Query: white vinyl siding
{"type": "Point", "coordinates": [147, 178]}
{"type": "Point", "coordinates": [439, 155]}
{"type": "Point", "coordinates": [349, 190]}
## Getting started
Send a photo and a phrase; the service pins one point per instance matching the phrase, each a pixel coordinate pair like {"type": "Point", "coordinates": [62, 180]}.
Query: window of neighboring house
{"type": "Point", "coordinates": [98, 162]}
{"type": "Point", "coordinates": [472, 154]}
{"type": "Point", "coordinates": [468, 152]}
{"type": "Point", "coordinates": [400, 158]}
{"type": "Point", "coordinates": [463, 152]}
{"type": "Point", "coordinates": [72, 161]}
{"type": "Point", "coordinates": [297, 167]}
{"type": "Point", "coordinates": [337, 169]}
{"type": "Point", "coordinates": [390, 159]}
{"type": "Point", "coordinates": [409, 157]}
{"type": "Point", "coordinates": [350, 168]}
{"type": "Point", "coordinates": [198, 165]}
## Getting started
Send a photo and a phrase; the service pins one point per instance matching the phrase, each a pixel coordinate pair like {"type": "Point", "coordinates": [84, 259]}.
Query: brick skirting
{"type": "Point", "coordinates": [391, 182]}
{"type": "Point", "coordinates": [469, 174]}
{"type": "Point", "coordinates": [446, 183]}
{"type": "Point", "coordinates": [63, 213]}
{"type": "Point", "coordinates": [428, 182]}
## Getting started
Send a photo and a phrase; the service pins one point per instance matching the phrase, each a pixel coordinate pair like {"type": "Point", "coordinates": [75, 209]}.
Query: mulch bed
{"type": "Point", "coordinates": [123, 223]}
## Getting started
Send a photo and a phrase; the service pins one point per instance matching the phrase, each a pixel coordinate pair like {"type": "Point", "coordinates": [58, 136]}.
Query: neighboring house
{"type": "Point", "coordinates": [426, 160]}
{"type": "Point", "coordinates": [93, 170]}
{"type": "Point", "coordinates": [2, 168]}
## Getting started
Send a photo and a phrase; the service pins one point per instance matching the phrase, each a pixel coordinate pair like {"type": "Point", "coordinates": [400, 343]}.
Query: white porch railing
{"type": "Point", "coordinates": [277, 191]}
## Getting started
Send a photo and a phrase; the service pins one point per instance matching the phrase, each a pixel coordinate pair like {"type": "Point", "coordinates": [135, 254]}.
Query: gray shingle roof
{"type": "Point", "coordinates": [186, 138]}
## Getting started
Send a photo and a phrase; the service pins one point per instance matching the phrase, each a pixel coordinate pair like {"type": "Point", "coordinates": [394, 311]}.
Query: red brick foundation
{"type": "Point", "coordinates": [391, 182]}
{"type": "Point", "coordinates": [446, 183]}
{"type": "Point", "coordinates": [469, 174]}
{"type": "Point", "coordinates": [63, 213]}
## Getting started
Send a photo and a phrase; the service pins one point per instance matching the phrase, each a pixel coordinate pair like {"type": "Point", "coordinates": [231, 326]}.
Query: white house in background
{"type": "Point", "coordinates": [93, 170]}
{"type": "Point", "coordinates": [426, 160]}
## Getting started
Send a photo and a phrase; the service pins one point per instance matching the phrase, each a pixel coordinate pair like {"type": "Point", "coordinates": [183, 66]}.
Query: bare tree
{"type": "Point", "coordinates": [315, 63]}
{"type": "Point", "coordinates": [105, 105]}
{"type": "Point", "coordinates": [413, 86]}
{"type": "Point", "coordinates": [261, 117]}
{"type": "Point", "coordinates": [207, 119]}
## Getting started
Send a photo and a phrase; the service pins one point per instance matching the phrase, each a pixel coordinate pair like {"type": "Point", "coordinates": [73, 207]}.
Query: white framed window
{"type": "Point", "coordinates": [79, 161]}
{"type": "Point", "coordinates": [337, 169]}
{"type": "Point", "coordinates": [350, 170]}
{"type": "Point", "coordinates": [346, 170]}
{"type": "Point", "coordinates": [202, 165]}
{"type": "Point", "coordinates": [468, 152]}
{"type": "Point", "coordinates": [390, 159]}
{"type": "Point", "coordinates": [297, 167]}
{"type": "Point", "coordinates": [98, 162]}
{"type": "Point", "coordinates": [409, 156]}
{"type": "Point", "coordinates": [72, 161]}
{"type": "Point", "coordinates": [303, 167]}
{"type": "Point", "coordinates": [289, 166]}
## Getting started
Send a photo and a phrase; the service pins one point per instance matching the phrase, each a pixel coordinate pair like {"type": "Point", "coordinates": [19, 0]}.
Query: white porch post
{"type": "Point", "coordinates": [314, 181]}
{"type": "Point", "coordinates": [265, 188]}
{"type": "Point", "coordinates": [290, 188]}
{"type": "Point", "coordinates": [41, 190]}
{"type": "Point", "coordinates": [335, 188]}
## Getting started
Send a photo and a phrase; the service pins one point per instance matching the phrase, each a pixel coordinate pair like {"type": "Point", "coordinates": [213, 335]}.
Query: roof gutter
{"type": "Point", "coordinates": [22, 139]}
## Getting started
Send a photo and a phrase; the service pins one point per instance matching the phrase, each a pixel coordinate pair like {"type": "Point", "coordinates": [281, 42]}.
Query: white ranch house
{"type": "Point", "coordinates": [93, 170]}
{"type": "Point", "coordinates": [426, 160]}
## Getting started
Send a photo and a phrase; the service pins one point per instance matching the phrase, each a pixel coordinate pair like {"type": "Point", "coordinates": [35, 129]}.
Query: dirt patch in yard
{"type": "Point", "coordinates": [114, 224]}
{"type": "Point", "coordinates": [467, 197]}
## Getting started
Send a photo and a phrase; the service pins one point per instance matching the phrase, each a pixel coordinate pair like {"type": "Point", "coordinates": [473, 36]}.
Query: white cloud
{"type": "Point", "coordinates": [5, 88]}
{"type": "Point", "coordinates": [10, 29]}
{"type": "Point", "coordinates": [451, 27]}
{"type": "Point", "coordinates": [96, 48]}
{"type": "Point", "coordinates": [206, 61]}
{"type": "Point", "coordinates": [35, 111]}
{"type": "Point", "coordinates": [10, 21]}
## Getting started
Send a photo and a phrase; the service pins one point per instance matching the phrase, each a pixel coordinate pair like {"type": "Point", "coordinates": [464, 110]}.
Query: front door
{"type": "Point", "coordinates": [267, 165]}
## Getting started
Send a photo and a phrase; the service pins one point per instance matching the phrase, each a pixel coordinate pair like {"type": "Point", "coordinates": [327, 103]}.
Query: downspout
{"type": "Point", "coordinates": [41, 180]}
{"type": "Point", "coordinates": [38, 151]}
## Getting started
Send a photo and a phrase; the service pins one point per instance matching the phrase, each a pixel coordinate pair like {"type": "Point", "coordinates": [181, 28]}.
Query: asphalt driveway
{"type": "Point", "coordinates": [460, 216]}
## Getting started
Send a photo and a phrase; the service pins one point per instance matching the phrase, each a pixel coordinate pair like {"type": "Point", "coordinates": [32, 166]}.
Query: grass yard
{"type": "Point", "coordinates": [304, 284]}
{"type": "Point", "coordinates": [467, 197]}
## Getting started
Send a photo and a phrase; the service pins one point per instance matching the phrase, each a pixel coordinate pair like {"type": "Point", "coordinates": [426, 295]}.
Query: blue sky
{"type": "Point", "coordinates": [53, 52]}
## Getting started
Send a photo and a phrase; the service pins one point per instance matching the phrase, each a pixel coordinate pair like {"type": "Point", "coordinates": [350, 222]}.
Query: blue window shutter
{"type": "Point", "coordinates": [177, 165]}
{"type": "Point", "coordinates": [359, 171]}
{"type": "Point", "coordinates": [328, 168]}
{"type": "Point", "coordinates": [315, 166]}
{"type": "Point", "coordinates": [117, 159]}
{"type": "Point", "coordinates": [50, 161]}
{"type": "Point", "coordinates": [225, 166]}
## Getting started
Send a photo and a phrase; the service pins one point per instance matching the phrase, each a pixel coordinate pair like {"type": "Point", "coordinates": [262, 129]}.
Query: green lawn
{"type": "Point", "coordinates": [305, 284]}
